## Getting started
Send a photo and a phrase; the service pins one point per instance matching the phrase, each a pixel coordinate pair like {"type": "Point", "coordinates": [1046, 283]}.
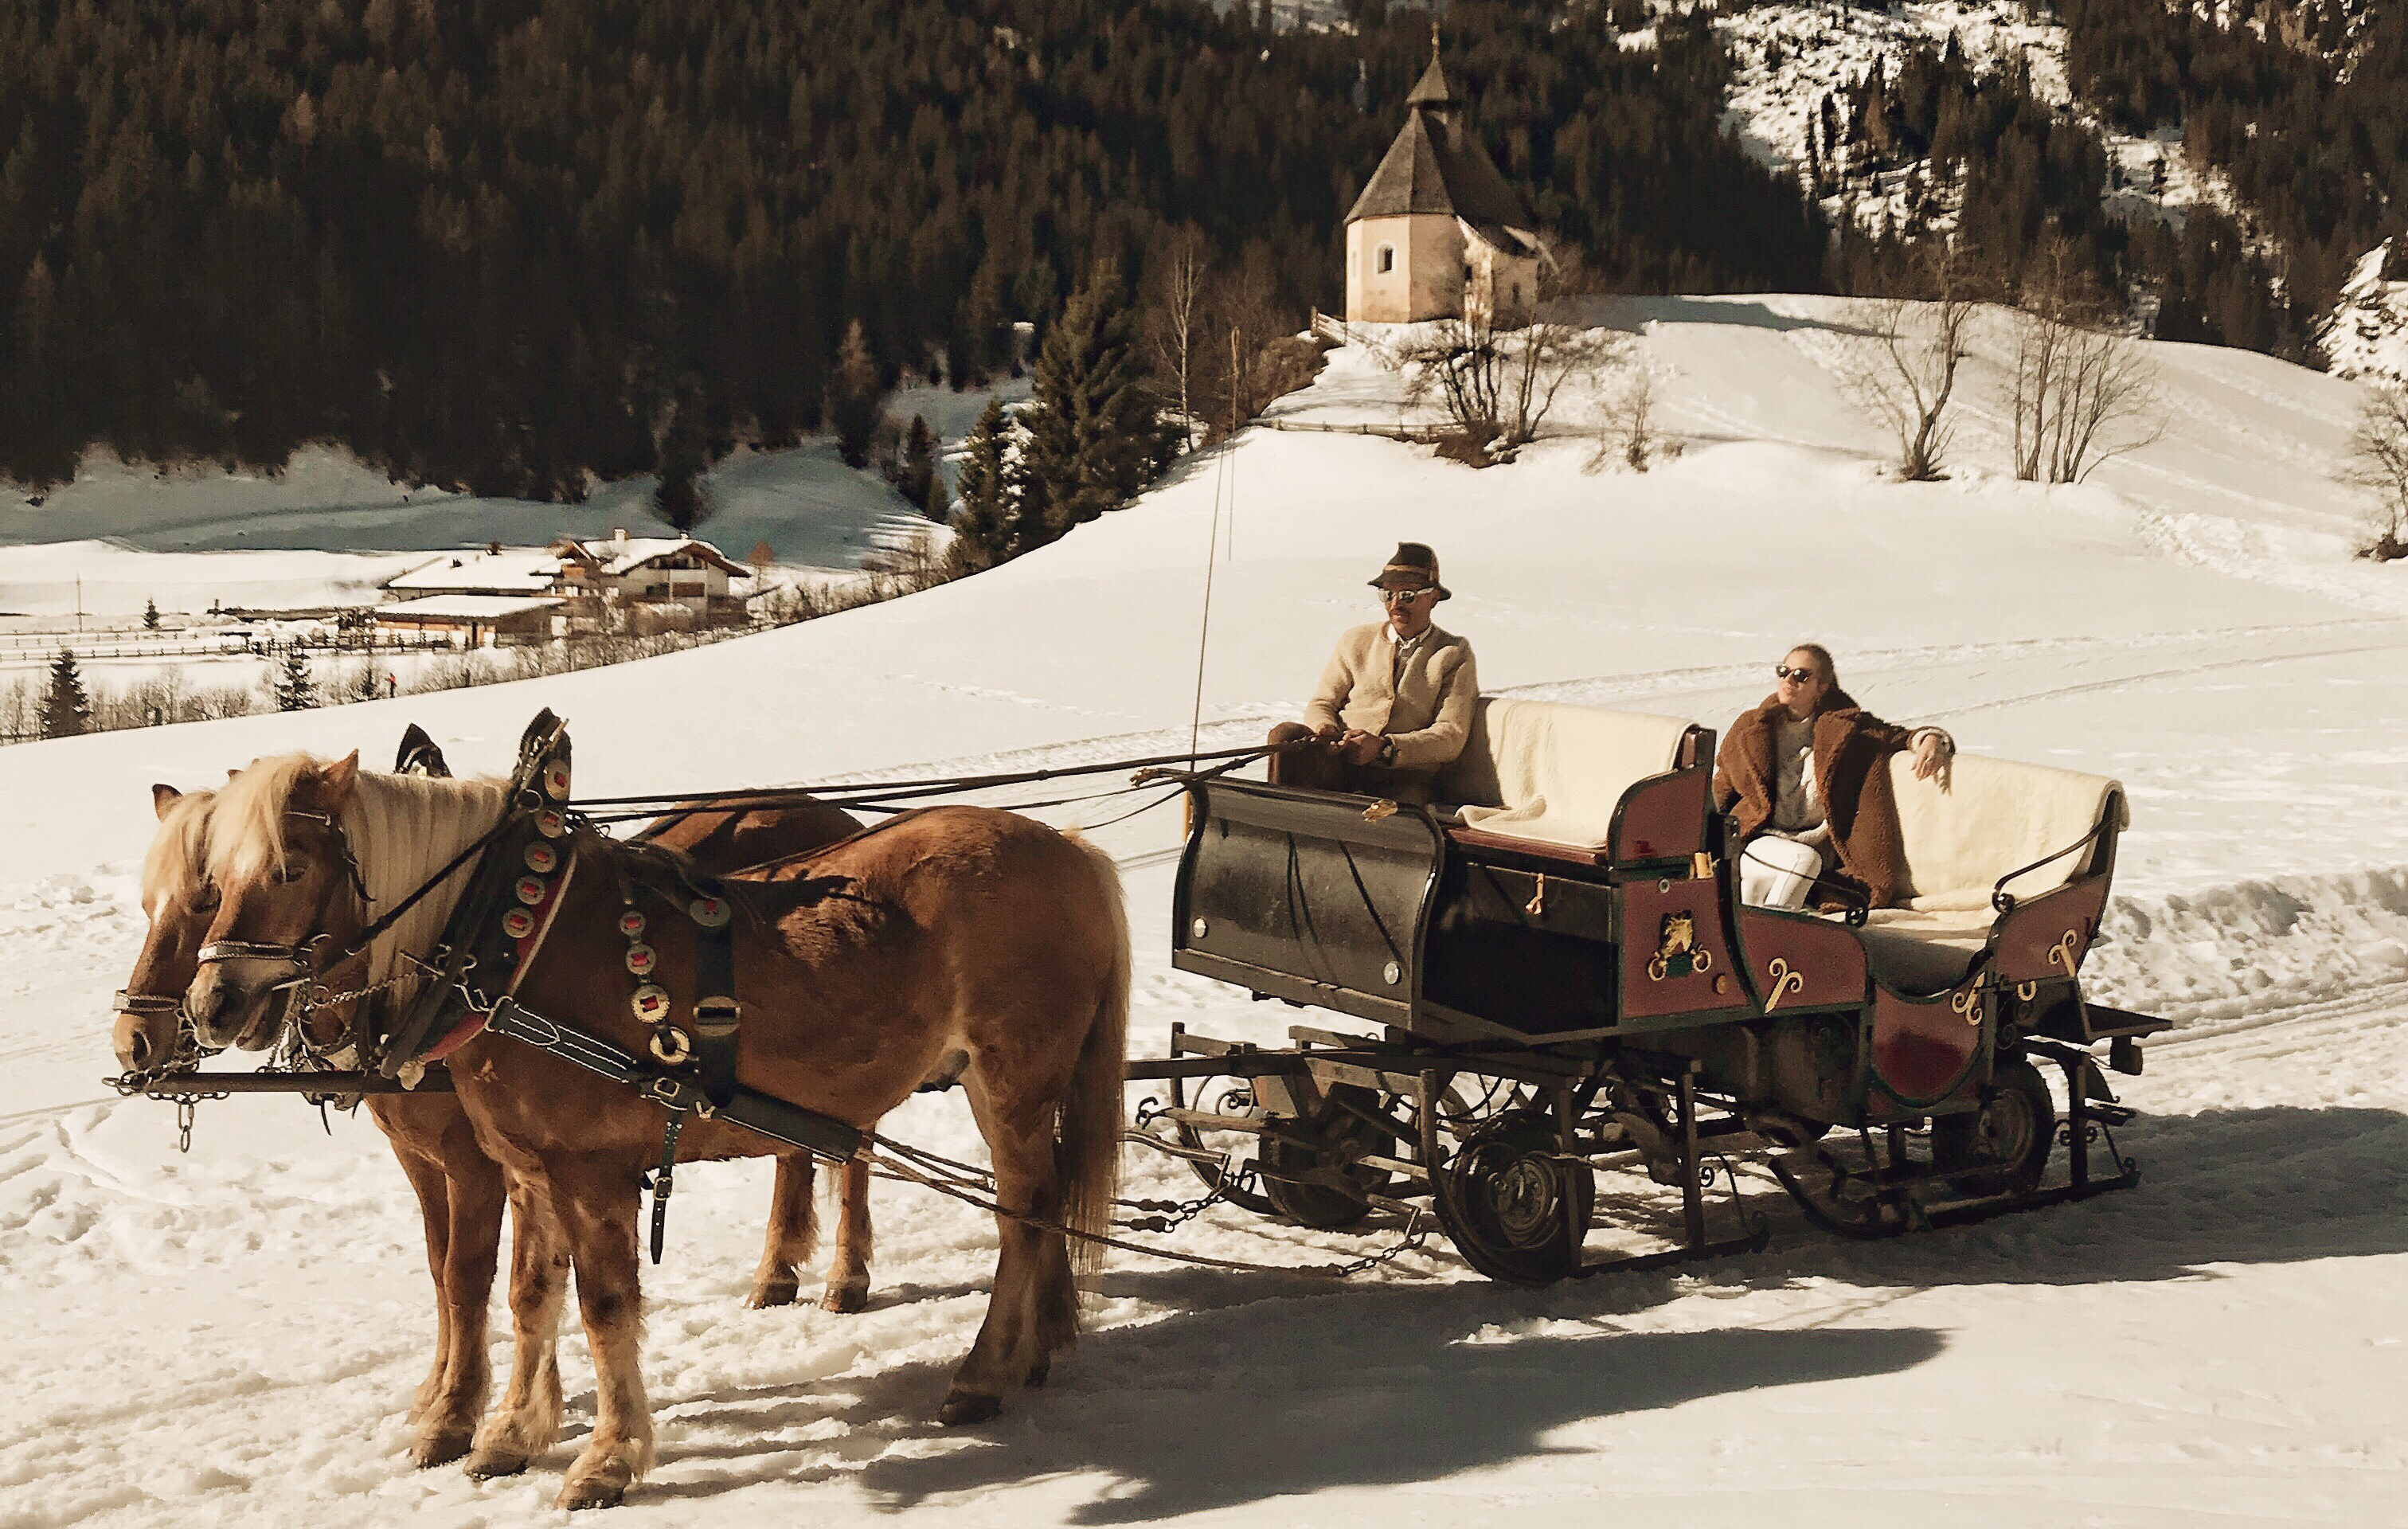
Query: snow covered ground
{"type": "Point", "coordinates": [231, 1338]}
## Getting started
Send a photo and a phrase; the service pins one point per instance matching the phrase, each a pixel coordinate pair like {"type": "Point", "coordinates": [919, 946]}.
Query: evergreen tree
{"type": "Point", "coordinates": [1095, 434]}
{"type": "Point", "coordinates": [855, 397]}
{"type": "Point", "coordinates": [66, 710]}
{"type": "Point", "coordinates": [921, 482]}
{"type": "Point", "coordinates": [983, 526]}
{"type": "Point", "coordinates": [150, 615]}
{"type": "Point", "coordinates": [294, 688]}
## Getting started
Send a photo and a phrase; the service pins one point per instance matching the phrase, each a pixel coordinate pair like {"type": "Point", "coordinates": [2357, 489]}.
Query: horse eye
{"type": "Point", "coordinates": [287, 875]}
{"type": "Point", "coordinates": [206, 896]}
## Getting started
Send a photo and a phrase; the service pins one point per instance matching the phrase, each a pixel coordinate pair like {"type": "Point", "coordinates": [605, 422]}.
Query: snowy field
{"type": "Point", "coordinates": [231, 1338]}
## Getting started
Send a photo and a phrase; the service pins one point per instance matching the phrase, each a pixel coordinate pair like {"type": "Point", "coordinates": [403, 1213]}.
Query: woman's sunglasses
{"type": "Point", "coordinates": [1782, 671]}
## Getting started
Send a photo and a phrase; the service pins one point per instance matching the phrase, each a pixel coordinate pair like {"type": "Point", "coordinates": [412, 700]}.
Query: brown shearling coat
{"type": "Point", "coordinates": [1850, 750]}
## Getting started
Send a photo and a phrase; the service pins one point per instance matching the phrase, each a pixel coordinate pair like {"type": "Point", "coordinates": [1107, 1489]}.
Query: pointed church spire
{"type": "Point", "coordinates": [1432, 91]}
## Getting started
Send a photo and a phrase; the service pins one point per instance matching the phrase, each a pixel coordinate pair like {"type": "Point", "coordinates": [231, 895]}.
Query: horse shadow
{"type": "Point", "coordinates": [1236, 1406]}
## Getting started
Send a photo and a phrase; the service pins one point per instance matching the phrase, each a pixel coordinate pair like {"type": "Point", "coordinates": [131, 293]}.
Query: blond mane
{"type": "Point", "coordinates": [402, 828]}
{"type": "Point", "coordinates": [180, 851]}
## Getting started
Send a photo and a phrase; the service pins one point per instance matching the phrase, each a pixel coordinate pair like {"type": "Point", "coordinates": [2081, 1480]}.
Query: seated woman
{"type": "Point", "coordinates": [1806, 776]}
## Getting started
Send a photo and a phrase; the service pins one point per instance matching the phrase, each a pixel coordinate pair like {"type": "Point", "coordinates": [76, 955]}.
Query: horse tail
{"type": "Point", "coordinates": [1090, 1153]}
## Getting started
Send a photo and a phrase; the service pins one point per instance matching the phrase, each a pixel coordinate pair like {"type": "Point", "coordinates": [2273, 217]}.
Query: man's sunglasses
{"type": "Point", "coordinates": [1397, 597]}
{"type": "Point", "coordinates": [1782, 671]}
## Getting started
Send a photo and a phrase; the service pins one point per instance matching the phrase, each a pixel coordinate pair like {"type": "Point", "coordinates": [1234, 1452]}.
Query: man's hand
{"type": "Point", "coordinates": [1359, 748]}
{"type": "Point", "coordinates": [1931, 750]}
{"type": "Point", "coordinates": [1328, 732]}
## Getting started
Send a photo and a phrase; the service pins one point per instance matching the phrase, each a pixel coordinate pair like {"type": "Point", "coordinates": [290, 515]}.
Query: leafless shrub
{"type": "Point", "coordinates": [2378, 462]}
{"type": "Point", "coordinates": [2081, 393]}
{"type": "Point", "coordinates": [1914, 345]}
{"type": "Point", "coordinates": [1627, 432]}
{"type": "Point", "coordinates": [1497, 386]}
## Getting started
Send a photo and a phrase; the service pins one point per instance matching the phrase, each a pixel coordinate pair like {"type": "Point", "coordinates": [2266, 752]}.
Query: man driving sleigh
{"type": "Point", "coordinates": [1395, 703]}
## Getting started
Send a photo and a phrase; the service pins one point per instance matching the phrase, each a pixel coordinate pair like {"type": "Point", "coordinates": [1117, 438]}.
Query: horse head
{"type": "Point", "coordinates": [181, 901]}
{"type": "Point", "coordinates": [289, 898]}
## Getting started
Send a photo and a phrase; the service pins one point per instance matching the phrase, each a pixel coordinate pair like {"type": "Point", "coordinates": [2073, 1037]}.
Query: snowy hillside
{"type": "Point", "coordinates": [231, 1338]}
{"type": "Point", "coordinates": [2367, 337]}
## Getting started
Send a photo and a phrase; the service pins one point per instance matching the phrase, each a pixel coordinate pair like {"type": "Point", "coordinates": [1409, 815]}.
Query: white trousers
{"type": "Point", "coordinates": [1776, 872]}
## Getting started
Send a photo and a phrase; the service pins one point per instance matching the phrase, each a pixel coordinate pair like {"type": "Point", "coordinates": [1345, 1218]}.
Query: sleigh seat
{"type": "Point", "coordinates": [1544, 779]}
{"type": "Point", "coordinates": [1961, 832]}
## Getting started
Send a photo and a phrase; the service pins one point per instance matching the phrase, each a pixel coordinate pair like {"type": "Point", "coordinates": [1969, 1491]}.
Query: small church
{"type": "Point", "coordinates": [1439, 234]}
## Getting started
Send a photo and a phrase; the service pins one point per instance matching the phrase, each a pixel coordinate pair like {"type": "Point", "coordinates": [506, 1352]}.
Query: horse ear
{"type": "Point", "coordinates": [164, 797]}
{"type": "Point", "coordinates": [340, 778]}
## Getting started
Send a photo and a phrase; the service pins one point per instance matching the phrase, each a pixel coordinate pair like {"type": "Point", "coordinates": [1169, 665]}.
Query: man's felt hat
{"type": "Point", "coordinates": [1413, 566]}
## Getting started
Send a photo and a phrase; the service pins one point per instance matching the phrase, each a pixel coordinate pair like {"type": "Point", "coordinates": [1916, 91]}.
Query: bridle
{"type": "Point", "coordinates": [303, 991]}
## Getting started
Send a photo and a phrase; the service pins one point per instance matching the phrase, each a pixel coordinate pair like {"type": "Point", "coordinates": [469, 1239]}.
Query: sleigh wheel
{"type": "Point", "coordinates": [1514, 1206]}
{"type": "Point", "coordinates": [1311, 1170]}
{"type": "Point", "coordinates": [2008, 1137]}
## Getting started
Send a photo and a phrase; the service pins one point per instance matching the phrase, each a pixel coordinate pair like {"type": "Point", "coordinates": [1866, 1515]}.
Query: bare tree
{"type": "Point", "coordinates": [2378, 462]}
{"type": "Point", "coordinates": [1916, 345]}
{"type": "Point", "coordinates": [1499, 384]}
{"type": "Point", "coordinates": [1629, 423]}
{"type": "Point", "coordinates": [2082, 392]}
{"type": "Point", "coordinates": [1174, 303]}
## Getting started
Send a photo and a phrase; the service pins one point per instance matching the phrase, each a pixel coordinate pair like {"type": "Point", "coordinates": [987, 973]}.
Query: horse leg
{"type": "Point", "coordinates": [1012, 1346]}
{"type": "Point", "coordinates": [793, 1227]}
{"type": "Point", "coordinates": [848, 1283]}
{"type": "Point", "coordinates": [449, 1427]}
{"type": "Point", "coordinates": [529, 1418]}
{"type": "Point", "coordinates": [435, 1206]}
{"type": "Point", "coordinates": [597, 1198]}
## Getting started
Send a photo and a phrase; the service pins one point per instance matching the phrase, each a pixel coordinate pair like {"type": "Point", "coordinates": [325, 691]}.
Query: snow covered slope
{"type": "Point", "coordinates": [230, 1338]}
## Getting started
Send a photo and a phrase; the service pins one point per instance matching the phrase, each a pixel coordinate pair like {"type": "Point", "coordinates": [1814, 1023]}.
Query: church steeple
{"type": "Point", "coordinates": [1433, 94]}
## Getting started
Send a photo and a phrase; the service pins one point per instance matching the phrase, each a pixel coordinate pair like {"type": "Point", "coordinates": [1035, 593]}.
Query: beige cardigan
{"type": "Point", "coordinates": [1426, 710]}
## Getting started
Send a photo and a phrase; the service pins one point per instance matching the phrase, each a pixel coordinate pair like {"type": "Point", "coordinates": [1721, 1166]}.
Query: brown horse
{"type": "Point", "coordinates": [862, 966]}
{"type": "Point", "coordinates": [460, 1188]}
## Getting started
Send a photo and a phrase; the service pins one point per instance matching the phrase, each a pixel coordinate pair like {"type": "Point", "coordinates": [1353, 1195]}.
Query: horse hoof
{"type": "Point", "coordinates": [847, 1298]}
{"type": "Point", "coordinates": [485, 1465]}
{"type": "Point", "coordinates": [442, 1446]}
{"type": "Point", "coordinates": [1039, 1371]}
{"type": "Point", "coordinates": [963, 1407]}
{"type": "Point", "coordinates": [770, 1293]}
{"type": "Point", "coordinates": [594, 1492]}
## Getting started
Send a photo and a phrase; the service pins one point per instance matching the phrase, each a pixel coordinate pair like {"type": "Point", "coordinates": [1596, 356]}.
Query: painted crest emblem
{"type": "Point", "coordinates": [542, 858]}
{"type": "Point", "coordinates": [631, 924]}
{"type": "Point", "coordinates": [518, 923]}
{"type": "Point", "coordinates": [651, 1003]}
{"type": "Point", "coordinates": [1676, 952]}
{"type": "Point", "coordinates": [709, 912]}
{"type": "Point", "coordinates": [640, 960]}
{"type": "Point", "coordinates": [531, 890]}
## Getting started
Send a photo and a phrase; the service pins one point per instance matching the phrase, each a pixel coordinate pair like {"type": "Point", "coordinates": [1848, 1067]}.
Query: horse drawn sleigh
{"type": "Point", "coordinates": [1557, 973]}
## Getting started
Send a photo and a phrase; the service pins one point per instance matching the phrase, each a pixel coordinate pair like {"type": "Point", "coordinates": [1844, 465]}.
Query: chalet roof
{"type": "Point", "coordinates": [1437, 166]}
{"type": "Point", "coordinates": [621, 555]}
{"type": "Point", "coordinates": [509, 570]}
